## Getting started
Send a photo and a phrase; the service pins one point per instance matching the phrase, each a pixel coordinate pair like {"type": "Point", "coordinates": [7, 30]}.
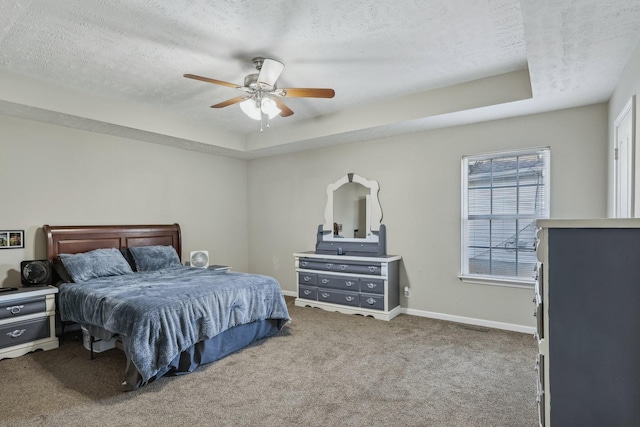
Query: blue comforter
{"type": "Point", "coordinates": [161, 313]}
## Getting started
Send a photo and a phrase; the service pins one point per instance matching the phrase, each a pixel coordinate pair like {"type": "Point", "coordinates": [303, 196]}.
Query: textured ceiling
{"type": "Point", "coordinates": [397, 66]}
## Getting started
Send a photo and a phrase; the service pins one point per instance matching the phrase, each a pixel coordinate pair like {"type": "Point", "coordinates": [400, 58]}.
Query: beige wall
{"type": "Point", "coordinates": [254, 215]}
{"type": "Point", "coordinates": [61, 176]}
{"type": "Point", "coordinates": [419, 177]}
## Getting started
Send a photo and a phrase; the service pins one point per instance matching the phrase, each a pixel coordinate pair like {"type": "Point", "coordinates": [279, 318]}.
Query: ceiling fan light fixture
{"type": "Point", "coordinates": [269, 107]}
{"type": "Point", "coordinates": [254, 108]}
{"type": "Point", "coordinates": [250, 108]}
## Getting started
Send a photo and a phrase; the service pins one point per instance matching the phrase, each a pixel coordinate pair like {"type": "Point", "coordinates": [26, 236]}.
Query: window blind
{"type": "Point", "coordinates": [503, 195]}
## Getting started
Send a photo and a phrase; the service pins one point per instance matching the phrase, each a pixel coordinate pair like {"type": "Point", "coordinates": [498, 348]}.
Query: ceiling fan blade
{"type": "Point", "coordinates": [208, 80]}
{"type": "Point", "coordinates": [269, 73]}
{"type": "Point", "coordinates": [309, 93]}
{"type": "Point", "coordinates": [284, 110]}
{"type": "Point", "coordinates": [230, 101]}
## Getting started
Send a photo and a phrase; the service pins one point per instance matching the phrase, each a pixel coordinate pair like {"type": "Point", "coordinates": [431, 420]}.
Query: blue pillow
{"type": "Point", "coordinates": [97, 263]}
{"type": "Point", "coordinates": [150, 258]}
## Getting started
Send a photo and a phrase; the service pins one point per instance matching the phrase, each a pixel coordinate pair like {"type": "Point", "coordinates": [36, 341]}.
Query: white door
{"type": "Point", "coordinates": [623, 161]}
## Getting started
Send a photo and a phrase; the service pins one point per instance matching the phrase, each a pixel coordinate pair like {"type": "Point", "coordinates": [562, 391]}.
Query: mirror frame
{"type": "Point", "coordinates": [375, 209]}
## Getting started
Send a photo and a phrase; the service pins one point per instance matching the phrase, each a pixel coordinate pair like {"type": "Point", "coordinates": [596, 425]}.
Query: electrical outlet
{"type": "Point", "coordinates": [407, 292]}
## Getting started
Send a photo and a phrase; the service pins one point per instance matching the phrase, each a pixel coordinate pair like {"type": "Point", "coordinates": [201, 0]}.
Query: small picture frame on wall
{"type": "Point", "coordinates": [11, 239]}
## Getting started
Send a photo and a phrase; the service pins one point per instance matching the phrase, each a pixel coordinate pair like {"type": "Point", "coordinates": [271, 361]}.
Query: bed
{"type": "Point", "coordinates": [128, 281]}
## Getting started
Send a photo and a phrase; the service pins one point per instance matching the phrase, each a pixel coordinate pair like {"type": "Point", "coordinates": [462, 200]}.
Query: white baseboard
{"type": "Point", "coordinates": [458, 319]}
{"type": "Point", "coordinates": [471, 321]}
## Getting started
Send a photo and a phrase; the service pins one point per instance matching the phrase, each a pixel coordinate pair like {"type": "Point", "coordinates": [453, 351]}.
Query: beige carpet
{"type": "Point", "coordinates": [324, 369]}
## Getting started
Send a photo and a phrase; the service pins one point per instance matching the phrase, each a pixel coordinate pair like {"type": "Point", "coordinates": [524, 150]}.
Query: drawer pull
{"type": "Point", "coordinates": [16, 333]}
{"type": "Point", "coordinates": [15, 309]}
{"type": "Point", "coordinates": [349, 283]}
{"type": "Point", "coordinates": [371, 285]}
{"type": "Point", "coordinates": [349, 298]}
{"type": "Point", "coordinates": [303, 263]}
{"type": "Point", "coordinates": [372, 268]}
{"type": "Point", "coordinates": [306, 292]}
{"type": "Point", "coordinates": [325, 295]}
{"type": "Point", "coordinates": [325, 281]}
{"type": "Point", "coordinates": [371, 301]}
{"type": "Point", "coordinates": [343, 267]}
{"type": "Point", "coordinates": [306, 278]}
{"type": "Point", "coordinates": [329, 266]}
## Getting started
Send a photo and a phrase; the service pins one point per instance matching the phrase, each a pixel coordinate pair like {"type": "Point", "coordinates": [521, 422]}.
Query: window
{"type": "Point", "coordinates": [502, 196]}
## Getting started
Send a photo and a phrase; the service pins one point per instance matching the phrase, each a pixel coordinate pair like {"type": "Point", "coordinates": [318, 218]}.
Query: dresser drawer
{"type": "Point", "coordinates": [372, 301]}
{"type": "Point", "coordinates": [538, 300]}
{"type": "Point", "coordinates": [540, 389]}
{"type": "Point", "coordinates": [339, 297]}
{"type": "Point", "coordinates": [23, 332]}
{"type": "Point", "coordinates": [372, 268]}
{"type": "Point", "coordinates": [372, 286]}
{"type": "Point", "coordinates": [308, 292]}
{"type": "Point", "coordinates": [17, 308]}
{"type": "Point", "coordinates": [341, 266]}
{"type": "Point", "coordinates": [316, 265]}
{"type": "Point", "coordinates": [339, 282]}
{"type": "Point", "coordinates": [307, 279]}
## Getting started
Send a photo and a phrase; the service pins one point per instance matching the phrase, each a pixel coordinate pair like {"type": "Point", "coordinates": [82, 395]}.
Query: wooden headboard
{"type": "Point", "coordinates": [73, 239]}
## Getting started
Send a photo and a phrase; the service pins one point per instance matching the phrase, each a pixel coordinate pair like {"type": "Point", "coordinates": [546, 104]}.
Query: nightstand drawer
{"type": "Point", "coordinates": [23, 332]}
{"type": "Point", "coordinates": [17, 308]}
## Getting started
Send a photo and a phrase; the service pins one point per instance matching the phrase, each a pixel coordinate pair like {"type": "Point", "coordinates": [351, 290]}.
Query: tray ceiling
{"type": "Point", "coordinates": [116, 67]}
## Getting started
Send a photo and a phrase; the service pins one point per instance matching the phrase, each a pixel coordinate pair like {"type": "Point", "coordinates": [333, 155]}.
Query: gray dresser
{"type": "Point", "coordinates": [588, 331]}
{"type": "Point", "coordinates": [27, 321]}
{"type": "Point", "coordinates": [366, 285]}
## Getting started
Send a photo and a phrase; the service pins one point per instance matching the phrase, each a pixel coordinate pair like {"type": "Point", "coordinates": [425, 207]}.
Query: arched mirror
{"type": "Point", "coordinates": [353, 212]}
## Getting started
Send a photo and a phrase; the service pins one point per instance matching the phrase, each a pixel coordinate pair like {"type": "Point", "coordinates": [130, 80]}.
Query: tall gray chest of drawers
{"type": "Point", "coordinates": [27, 321]}
{"type": "Point", "coordinates": [587, 304]}
{"type": "Point", "coordinates": [349, 284]}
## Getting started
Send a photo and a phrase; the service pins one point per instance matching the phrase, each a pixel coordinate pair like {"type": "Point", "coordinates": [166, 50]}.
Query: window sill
{"type": "Point", "coordinates": [497, 281]}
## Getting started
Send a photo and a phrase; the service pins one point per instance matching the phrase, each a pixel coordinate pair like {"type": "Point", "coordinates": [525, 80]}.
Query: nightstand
{"type": "Point", "coordinates": [27, 321]}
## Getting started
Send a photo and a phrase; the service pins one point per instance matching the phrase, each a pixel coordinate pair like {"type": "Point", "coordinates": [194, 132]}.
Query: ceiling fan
{"type": "Point", "coordinates": [262, 97]}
